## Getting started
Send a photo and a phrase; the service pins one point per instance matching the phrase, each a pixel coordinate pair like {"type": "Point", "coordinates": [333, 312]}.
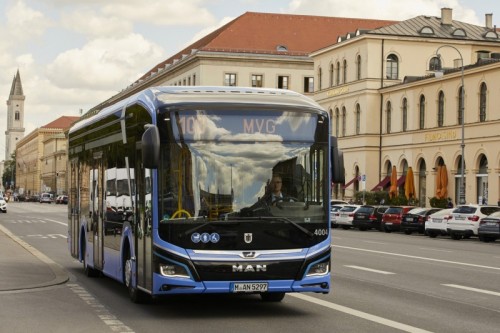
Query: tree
{"type": "Point", "coordinates": [9, 173]}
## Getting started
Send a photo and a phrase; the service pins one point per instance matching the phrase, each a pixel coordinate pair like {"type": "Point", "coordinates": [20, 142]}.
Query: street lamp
{"type": "Point", "coordinates": [439, 74]}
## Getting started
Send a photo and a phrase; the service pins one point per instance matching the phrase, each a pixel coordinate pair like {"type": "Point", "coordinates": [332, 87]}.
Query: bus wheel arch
{"type": "Point", "coordinates": [89, 271]}
{"type": "Point", "coordinates": [136, 295]}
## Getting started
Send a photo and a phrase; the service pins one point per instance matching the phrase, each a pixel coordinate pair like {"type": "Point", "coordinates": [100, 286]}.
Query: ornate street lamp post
{"type": "Point", "coordinates": [461, 192]}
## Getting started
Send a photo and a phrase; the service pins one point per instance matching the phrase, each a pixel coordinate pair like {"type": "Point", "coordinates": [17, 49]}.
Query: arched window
{"type": "Point", "coordinates": [392, 67]}
{"type": "Point", "coordinates": [337, 74]}
{"type": "Point", "coordinates": [344, 71]}
{"type": "Point", "coordinates": [482, 103]}
{"type": "Point", "coordinates": [460, 105]}
{"type": "Point", "coordinates": [388, 117]}
{"type": "Point", "coordinates": [440, 114]}
{"type": "Point", "coordinates": [331, 75]}
{"type": "Point", "coordinates": [422, 112]}
{"type": "Point", "coordinates": [337, 122]}
{"type": "Point", "coordinates": [344, 116]}
{"type": "Point", "coordinates": [17, 115]}
{"type": "Point", "coordinates": [405, 114]}
{"type": "Point", "coordinates": [320, 74]}
{"type": "Point", "coordinates": [434, 64]}
{"type": "Point", "coordinates": [358, 68]}
{"type": "Point", "coordinates": [358, 119]}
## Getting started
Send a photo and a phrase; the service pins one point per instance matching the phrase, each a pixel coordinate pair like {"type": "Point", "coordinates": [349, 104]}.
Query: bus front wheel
{"type": "Point", "coordinates": [136, 295]}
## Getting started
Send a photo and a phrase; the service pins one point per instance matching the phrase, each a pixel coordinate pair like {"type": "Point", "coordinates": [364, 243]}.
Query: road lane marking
{"type": "Point", "coordinates": [65, 224]}
{"type": "Point", "coordinates": [360, 314]}
{"type": "Point", "coordinates": [368, 269]}
{"type": "Point", "coordinates": [432, 249]}
{"type": "Point", "coordinates": [417, 257]}
{"type": "Point", "coordinates": [372, 242]}
{"type": "Point", "coordinates": [483, 291]}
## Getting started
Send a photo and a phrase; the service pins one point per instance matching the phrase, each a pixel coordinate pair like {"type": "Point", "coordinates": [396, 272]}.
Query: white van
{"type": "Point", "coordinates": [46, 198]}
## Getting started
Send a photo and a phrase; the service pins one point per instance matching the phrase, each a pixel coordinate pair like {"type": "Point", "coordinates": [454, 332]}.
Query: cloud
{"type": "Point", "coordinates": [24, 22]}
{"type": "Point", "coordinates": [385, 9]}
{"type": "Point", "coordinates": [90, 23]}
{"type": "Point", "coordinates": [104, 63]}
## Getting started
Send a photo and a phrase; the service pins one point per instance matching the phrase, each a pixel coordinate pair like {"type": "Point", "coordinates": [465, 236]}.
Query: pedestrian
{"type": "Point", "coordinates": [449, 204]}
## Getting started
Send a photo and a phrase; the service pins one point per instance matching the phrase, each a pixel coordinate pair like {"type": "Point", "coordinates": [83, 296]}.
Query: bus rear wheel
{"type": "Point", "coordinates": [272, 297]}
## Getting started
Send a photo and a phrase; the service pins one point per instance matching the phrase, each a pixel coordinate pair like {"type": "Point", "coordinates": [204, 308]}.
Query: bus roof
{"type": "Point", "coordinates": [156, 97]}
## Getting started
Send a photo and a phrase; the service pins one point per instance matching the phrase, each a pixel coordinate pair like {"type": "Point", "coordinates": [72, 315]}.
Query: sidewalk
{"type": "Point", "coordinates": [24, 267]}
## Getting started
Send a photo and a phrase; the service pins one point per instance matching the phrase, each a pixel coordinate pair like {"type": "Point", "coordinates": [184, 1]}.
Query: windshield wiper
{"type": "Point", "coordinates": [275, 218]}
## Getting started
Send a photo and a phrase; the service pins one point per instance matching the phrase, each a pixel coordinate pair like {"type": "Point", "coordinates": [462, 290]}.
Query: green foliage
{"type": "Point", "coordinates": [438, 203]}
{"type": "Point", "coordinates": [9, 173]}
{"type": "Point", "coordinates": [376, 197]}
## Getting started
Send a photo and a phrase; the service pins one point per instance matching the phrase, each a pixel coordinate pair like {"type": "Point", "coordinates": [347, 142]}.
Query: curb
{"type": "Point", "coordinates": [60, 274]}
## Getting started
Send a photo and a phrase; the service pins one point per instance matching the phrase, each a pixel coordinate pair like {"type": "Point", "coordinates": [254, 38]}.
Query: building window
{"type": "Point", "coordinates": [17, 115]}
{"type": "Point", "coordinates": [344, 72]}
{"type": "Point", "coordinates": [422, 112]}
{"type": "Point", "coordinates": [440, 114]}
{"type": "Point", "coordinates": [319, 78]}
{"type": "Point", "coordinates": [358, 68]}
{"type": "Point", "coordinates": [283, 82]}
{"type": "Point", "coordinates": [344, 116]}
{"type": "Point", "coordinates": [405, 114]}
{"type": "Point", "coordinates": [337, 74]}
{"type": "Point", "coordinates": [194, 79]}
{"type": "Point", "coordinates": [388, 117]}
{"type": "Point", "coordinates": [358, 119]}
{"type": "Point", "coordinates": [308, 84]}
{"type": "Point", "coordinates": [434, 64]}
{"type": "Point", "coordinates": [460, 105]}
{"type": "Point", "coordinates": [337, 122]}
{"type": "Point", "coordinates": [331, 75]}
{"type": "Point", "coordinates": [482, 103]}
{"type": "Point", "coordinates": [257, 81]}
{"type": "Point", "coordinates": [230, 79]}
{"type": "Point", "coordinates": [392, 67]}
{"type": "Point", "coordinates": [189, 80]}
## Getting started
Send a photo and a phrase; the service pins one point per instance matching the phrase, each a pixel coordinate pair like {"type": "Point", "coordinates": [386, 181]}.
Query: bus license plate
{"type": "Point", "coordinates": [250, 287]}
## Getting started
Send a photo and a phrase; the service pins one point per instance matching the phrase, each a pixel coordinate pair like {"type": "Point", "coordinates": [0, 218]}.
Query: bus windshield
{"type": "Point", "coordinates": [218, 165]}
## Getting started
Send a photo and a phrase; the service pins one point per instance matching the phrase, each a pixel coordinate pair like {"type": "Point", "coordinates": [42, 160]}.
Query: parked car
{"type": "Point", "coordinates": [46, 198]}
{"type": "Point", "coordinates": [368, 217]}
{"type": "Point", "coordinates": [338, 202]}
{"type": "Point", "coordinates": [345, 216]}
{"type": "Point", "coordinates": [62, 199]}
{"type": "Point", "coordinates": [415, 219]}
{"type": "Point", "coordinates": [3, 204]}
{"type": "Point", "coordinates": [464, 220]}
{"type": "Point", "coordinates": [391, 220]}
{"type": "Point", "coordinates": [436, 223]}
{"type": "Point", "coordinates": [489, 227]}
{"type": "Point", "coordinates": [333, 214]}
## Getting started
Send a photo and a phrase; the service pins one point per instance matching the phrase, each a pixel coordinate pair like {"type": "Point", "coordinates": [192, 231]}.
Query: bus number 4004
{"type": "Point", "coordinates": [320, 232]}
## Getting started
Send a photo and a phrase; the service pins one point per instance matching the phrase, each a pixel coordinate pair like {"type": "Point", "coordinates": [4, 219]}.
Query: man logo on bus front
{"type": "Point", "coordinates": [248, 237]}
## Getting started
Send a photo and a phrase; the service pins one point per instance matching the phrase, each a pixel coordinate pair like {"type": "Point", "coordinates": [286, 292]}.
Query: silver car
{"type": "Point", "coordinates": [3, 204]}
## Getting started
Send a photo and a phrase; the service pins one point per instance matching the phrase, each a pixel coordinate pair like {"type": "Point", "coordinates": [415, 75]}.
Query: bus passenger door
{"type": "Point", "coordinates": [74, 207]}
{"type": "Point", "coordinates": [98, 206]}
{"type": "Point", "coordinates": [144, 221]}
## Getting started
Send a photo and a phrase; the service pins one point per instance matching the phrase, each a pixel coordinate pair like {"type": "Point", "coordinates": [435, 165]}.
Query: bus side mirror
{"type": "Point", "coordinates": [151, 147]}
{"type": "Point", "coordinates": [336, 162]}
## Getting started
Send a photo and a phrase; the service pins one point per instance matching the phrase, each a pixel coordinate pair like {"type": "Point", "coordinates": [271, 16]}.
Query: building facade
{"type": "Point", "coordinates": [388, 109]}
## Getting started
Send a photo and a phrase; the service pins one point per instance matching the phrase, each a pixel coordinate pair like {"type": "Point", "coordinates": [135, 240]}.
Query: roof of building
{"type": "Point", "coordinates": [63, 122]}
{"type": "Point", "coordinates": [433, 27]}
{"type": "Point", "coordinates": [16, 88]}
{"type": "Point", "coordinates": [276, 34]}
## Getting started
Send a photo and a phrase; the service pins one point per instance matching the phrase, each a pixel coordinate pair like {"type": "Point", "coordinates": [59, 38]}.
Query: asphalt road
{"type": "Point", "coordinates": [381, 283]}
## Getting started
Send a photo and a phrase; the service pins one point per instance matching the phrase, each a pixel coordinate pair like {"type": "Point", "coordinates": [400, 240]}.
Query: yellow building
{"type": "Point", "coordinates": [389, 109]}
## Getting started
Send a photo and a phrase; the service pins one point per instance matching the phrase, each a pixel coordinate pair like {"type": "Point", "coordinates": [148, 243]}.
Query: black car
{"type": "Point", "coordinates": [415, 219]}
{"type": "Point", "coordinates": [489, 228]}
{"type": "Point", "coordinates": [368, 217]}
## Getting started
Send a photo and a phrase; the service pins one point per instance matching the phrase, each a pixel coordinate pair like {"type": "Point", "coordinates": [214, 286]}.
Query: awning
{"type": "Point", "coordinates": [350, 182]}
{"type": "Point", "coordinates": [383, 184]}
{"type": "Point", "coordinates": [401, 180]}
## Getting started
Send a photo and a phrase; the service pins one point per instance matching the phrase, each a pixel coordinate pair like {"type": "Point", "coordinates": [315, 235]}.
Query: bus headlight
{"type": "Point", "coordinates": [319, 269]}
{"type": "Point", "coordinates": [172, 270]}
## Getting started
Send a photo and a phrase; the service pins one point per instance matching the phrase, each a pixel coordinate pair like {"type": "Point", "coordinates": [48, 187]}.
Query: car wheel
{"type": "Point", "coordinates": [362, 228]}
{"type": "Point", "coordinates": [431, 234]}
{"type": "Point", "coordinates": [456, 236]}
{"type": "Point", "coordinates": [407, 232]}
{"type": "Point", "coordinates": [272, 297]}
{"type": "Point", "coordinates": [345, 227]}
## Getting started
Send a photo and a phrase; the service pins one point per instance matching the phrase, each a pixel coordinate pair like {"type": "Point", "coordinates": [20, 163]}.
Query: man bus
{"type": "Point", "coordinates": [197, 162]}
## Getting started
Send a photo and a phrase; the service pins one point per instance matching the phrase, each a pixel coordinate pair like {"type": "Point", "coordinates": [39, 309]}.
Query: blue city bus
{"type": "Point", "coordinates": [169, 189]}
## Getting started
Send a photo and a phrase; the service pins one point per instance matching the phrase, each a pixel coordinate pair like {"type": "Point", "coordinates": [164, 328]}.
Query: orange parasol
{"type": "Point", "coordinates": [393, 191]}
{"type": "Point", "coordinates": [438, 182]}
{"type": "Point", "coordinates": [444, 182]}
{"type": "Point", "coordinates": [409, 184]}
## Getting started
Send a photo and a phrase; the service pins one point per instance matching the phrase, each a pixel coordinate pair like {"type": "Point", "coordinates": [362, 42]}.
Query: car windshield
{"type": "Point", "coordinates": [489, 210]}
{"type": "Point", "coordinates": [366, 209]}
{"type": "Point", "coordinates": [417, 211]}
{"type": "Point", "coordinates": [495, 214]}
{"type": "Point", "coordinates": [348, 209]}
{"type": "Point", "coordinates": [465, 210]}
{"type": "Point", "coordinates": [394, 210]}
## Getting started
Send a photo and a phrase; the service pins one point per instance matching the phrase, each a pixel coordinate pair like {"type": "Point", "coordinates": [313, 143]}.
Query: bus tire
{"type": "Point", "coordinates": [89, 271]}
{"type": "Point", "coordinates": [136, 295]}
{"type": "Point", "coordinates": [272, 297]}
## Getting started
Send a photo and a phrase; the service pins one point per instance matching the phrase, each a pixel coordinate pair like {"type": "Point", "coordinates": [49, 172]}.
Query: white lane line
{"type": "Point", "coordinates": [372, 242]}
{"type": "Point", "coordinates": [483, 291]}
{"type": "Point", "coordinates": [417, 257]}
{"type": "Point", "coordinates": [368, 269]}
{"type": "Point", "coordinates": [65, 224]}
{"type": "Point", "coordinates": [360, 314]}
{"type": "Point", "coordinates": [432, 249]}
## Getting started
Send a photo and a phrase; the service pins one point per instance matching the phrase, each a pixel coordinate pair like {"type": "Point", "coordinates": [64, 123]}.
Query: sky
{"type": "Point", "coordinates": [74, 54]}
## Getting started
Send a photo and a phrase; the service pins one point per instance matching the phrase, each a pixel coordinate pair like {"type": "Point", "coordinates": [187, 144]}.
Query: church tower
{"type": "Point", "coordinates": [15, 116]}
